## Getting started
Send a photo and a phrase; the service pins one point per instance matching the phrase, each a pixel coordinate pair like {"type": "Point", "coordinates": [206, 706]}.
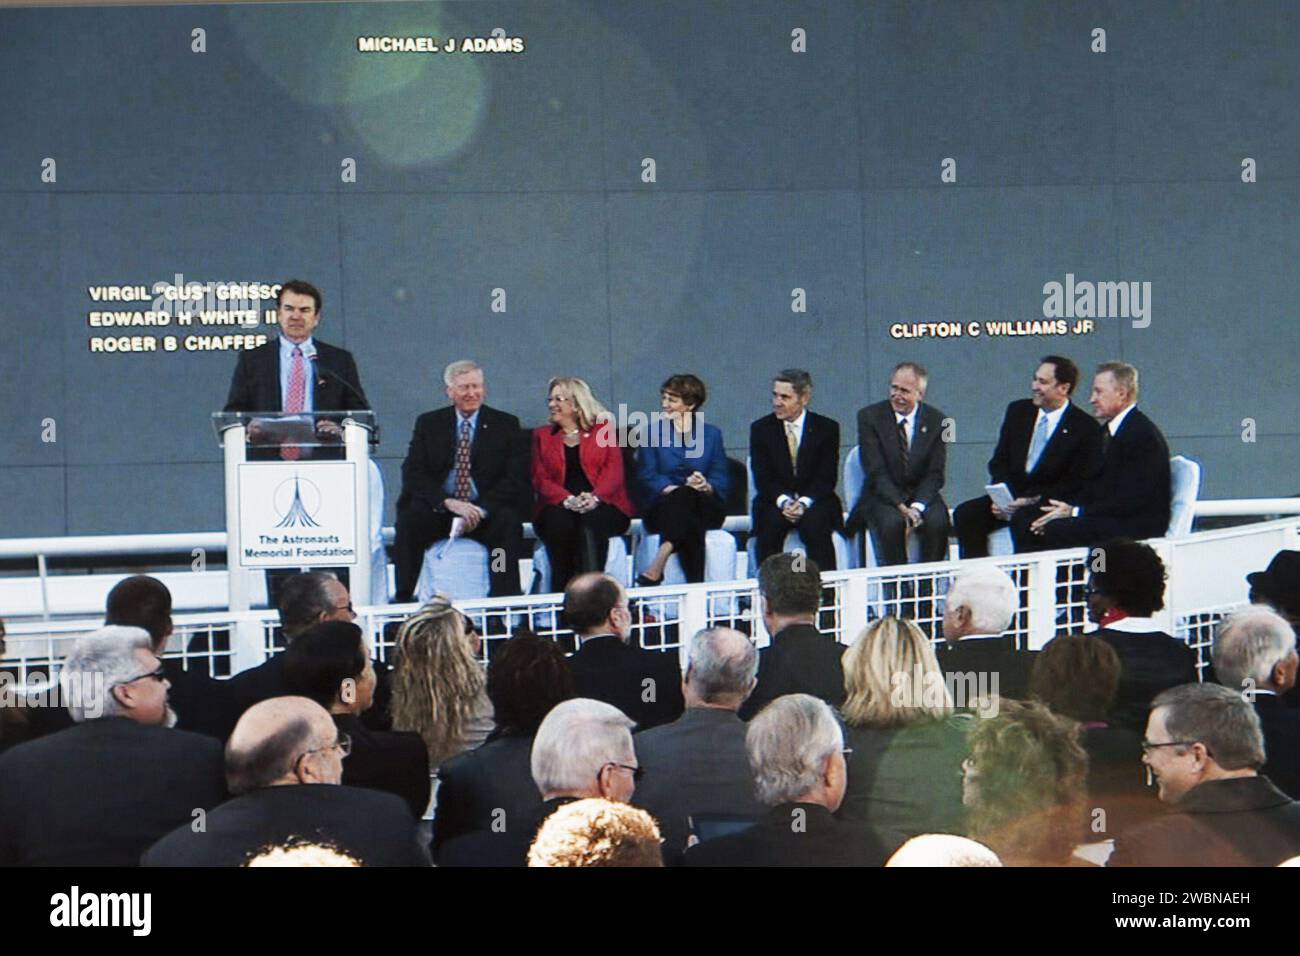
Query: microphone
{"type": "Point", "coordinates": [321, 371]}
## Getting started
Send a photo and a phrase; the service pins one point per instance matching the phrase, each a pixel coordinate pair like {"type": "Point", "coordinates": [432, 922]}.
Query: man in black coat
{"type": "Point", "coordinates": [1205, 747]}
{"type": "Point", "coordinates": [1131, 495]}
{"type": "Point", "coordinates": [645, 685]}
{"type": "Point", "coordinates": [980, 606]}
{"type": "Point", "coordinates": [1048, 448]}
{"type": "Point", "coordinates": [795, 460]}
{"type": "Point", "coordinates": [800, 659]}
{"type": "Point", "coordinates": [283, 764]}
{"type": "Point", "coordinates": [467, 461]}
{"type": "Point", "coordinates": [98, 793]}
{"type": "Point", "coordinates": [904, 454]}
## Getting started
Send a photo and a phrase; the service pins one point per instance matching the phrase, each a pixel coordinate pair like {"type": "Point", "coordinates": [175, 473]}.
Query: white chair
{"type": "Point", "coordinates": [1000, 542]}
{"type": "Point", "coordinates": [378, 556]}
{"type": "Point", "coordinates": [617, 565]}
{"type": "Point", "coordinates": [719, 557]}
{"type": "Point", "coordinates": [1185, 478]}
{"type": "Point", "coordinates": [844, 552]}
{"type": "Point", "coordinates": [458, 569]}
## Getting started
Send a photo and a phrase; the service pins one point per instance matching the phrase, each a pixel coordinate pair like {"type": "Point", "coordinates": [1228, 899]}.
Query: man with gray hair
{"type": "Point", "coordinates": [1255, 653]}
{"type": "Point", "coordinates": [99, 792]}
{"type": "Point", "coordinates": [980, 606]}
{"type": "Point", "coordinates": [467, 463]}
{"type": "Point", "coordinates": [1204, 747]}
{"type": "Point", "coordinates": [698, 764]}
{"type": "Point", "coordinates": [583, 748]}
{"type": "Point", "coordinates": [796, 755]}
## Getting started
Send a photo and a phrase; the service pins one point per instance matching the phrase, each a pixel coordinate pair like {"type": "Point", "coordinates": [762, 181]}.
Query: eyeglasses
{"type": "Point", "coordinates": [159, 675]}
{"type": "Point", "coordinates": [343, 745]}
{"type": "Point", "coordinates": [637, 772]}
{"type": "Point", "coordinates": [1148, 746]}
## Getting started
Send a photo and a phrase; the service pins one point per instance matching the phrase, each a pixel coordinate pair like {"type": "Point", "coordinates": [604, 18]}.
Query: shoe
{"type": "Point", "coordinates": [644, 582]}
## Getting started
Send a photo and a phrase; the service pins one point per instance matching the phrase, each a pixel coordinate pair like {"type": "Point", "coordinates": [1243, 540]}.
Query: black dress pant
{"type": "Point", "coordinates": [682, 517]}
{"type": "Point", "coordinates": [501, 532]}
{"type": "Point", "coordinates": [974, 522]}
{"type": "Point", "coordinates": [1082, 532]}
{"type": "Point", "coordinates": [815, 528]}
{"type": "Point", "coordinates": [890, 527]}
{"type": "Point", "coordinates": [577, 543]}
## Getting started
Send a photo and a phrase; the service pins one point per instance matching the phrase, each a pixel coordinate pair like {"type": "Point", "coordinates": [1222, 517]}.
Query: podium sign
{"type": "Point", "coordinates": [292, 516]}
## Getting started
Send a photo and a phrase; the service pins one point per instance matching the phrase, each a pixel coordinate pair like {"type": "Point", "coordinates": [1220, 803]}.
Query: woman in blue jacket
{"type": "Point", "coordinates": [683, 474]}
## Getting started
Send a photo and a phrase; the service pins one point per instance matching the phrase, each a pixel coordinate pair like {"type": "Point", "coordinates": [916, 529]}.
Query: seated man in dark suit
{"type": "Point", "coordinates": [98, 793]}
{"type": "Point", "coordinates": [1255, 653]}
{"type": "Point", "coordinates": [330, 664]}
{"type": "Point", "coordinates": [202, 704]}
{"type": "Point", "coordinates": [467, 462]}
{"type": "Point", "coordinates": [800, 659]}
{"type": "Point", "coordinates": [1047, 449]}
{"type": "Point", "coordinates": [1205, 747]}
{"type": "Point", "coordinates": [645, 685]}
{"type": "Point", "coordinates": [979, 609]}
{"type": "Point", "coordinates": [795, 458]}
{"type": "Point", "coordinates": [904, 454]}
{"type": "Point", "coordinates": [582, 749]}
{"type": "Point", "coordinates": [796, 750]}
{"type": "Point", "coordinates": [1126, 588]}
{"type": "Point", "coordinates": [284, 763]}
{"type": "Point", "coordinates": [306, 600]}
{"type": "Point", "coordinates": [1131, 495]}
{"type": "Point", "coordinates": [698, 764]}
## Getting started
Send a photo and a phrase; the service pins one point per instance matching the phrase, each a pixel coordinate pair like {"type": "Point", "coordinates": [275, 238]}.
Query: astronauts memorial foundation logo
{"type": "Point", "coordinates": [297, 501]}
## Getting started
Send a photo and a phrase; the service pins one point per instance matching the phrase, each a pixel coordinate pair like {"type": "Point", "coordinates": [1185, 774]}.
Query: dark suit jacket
{"type": "Point", "coordinates": [696, 764]}
{"type": "Point", "coordinates": [498, 461]}
{"type": "Point", "coordinates": [883, 461]}
{"type": "Point", "coordinates": [1149, 662]}
{"type": "Point", "coordinates": [375, 828]}
{"type": "Point", "coordinates": [990, 655]}
{"type": "Point", "coordinates": [506, 846]}
{"type": "Point", "coordinates": [775, 840]}
{"type": "Point", "coordinates": [1244, 821]}
{"type": "Point", "coordinates": [202, 704]}
{"type": "Point", "coordinates": [255, 386]}
{"type": "Point", "coordinates": [1281, 743]}
{"type": "Point", "coordinates": [1133, 484]}
{"type": "Point", "coordinates": [98, 793]}
{"type": "Point", "coordinates": [606, 668]}
{"type": "Point", "coordinates": [473, 786]}
{"type": "Point", "coordinates": [1072, 456]}
{"type": "Point", "coordinates": [800, 660]}
{"type": "Point", "coordinates": [1117, 779]}
{"type": "Point", "coordinates": [818, 460]}
{"type": "Point", "coordinates": [396, 762]}
{"type": "Point", "coordinates": [266, 680]}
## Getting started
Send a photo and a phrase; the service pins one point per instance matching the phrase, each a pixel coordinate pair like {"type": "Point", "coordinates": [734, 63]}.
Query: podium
{"type": "Point", "coordinates": [297, 496]}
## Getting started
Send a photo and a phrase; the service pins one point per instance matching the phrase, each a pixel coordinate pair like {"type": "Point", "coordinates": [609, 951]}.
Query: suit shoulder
{"type": "Point", "coordinates": [932, 414]}
{"type": "Point", "coordinates": [824, 421]}
{"type": "Point", "coordinates": [500, 417]}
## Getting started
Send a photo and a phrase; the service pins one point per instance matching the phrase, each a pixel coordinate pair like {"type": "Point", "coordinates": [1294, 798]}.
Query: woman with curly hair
{"type": "Point", "coordinates": [439, 688]}
{"type": "Point", "coordinates": [1024, 785]}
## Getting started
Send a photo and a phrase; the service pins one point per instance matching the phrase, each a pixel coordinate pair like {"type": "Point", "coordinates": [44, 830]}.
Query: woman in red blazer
{"type": "Point", "coordinates": [582, 498]}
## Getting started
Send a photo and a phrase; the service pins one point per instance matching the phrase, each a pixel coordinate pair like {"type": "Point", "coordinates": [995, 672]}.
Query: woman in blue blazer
{"type": "Point", "coordinates": [683, 474]}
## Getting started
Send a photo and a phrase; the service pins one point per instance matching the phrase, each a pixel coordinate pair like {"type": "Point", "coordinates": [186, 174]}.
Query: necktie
{"type": "Point", "coordinates": [792, 443]}
{"type": "Point", "coordinates": [902, 444]}
{"type": "Point", "coordinates": [462, 461]}
{"type": "Point", "coordinates": [1037, 443]}
{"type": "Point", "coordinates": [295, 400]}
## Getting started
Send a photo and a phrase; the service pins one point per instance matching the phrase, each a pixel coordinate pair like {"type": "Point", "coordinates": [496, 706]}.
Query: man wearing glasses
{"type": "Point", "coordinates": [99, 792]}
{"type": "Point", "coordinates": [284, 764]}
{"type": "Point", "coordinates": [1204, 748]}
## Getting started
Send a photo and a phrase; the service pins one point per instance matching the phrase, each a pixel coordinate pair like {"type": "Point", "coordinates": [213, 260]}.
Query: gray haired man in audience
{"type": "Point", "coordinates": [1255, 653]}
{"type": "Point", "coordinates": [980, 606]}
{"type": "Point", "coordinates": [796, 755]}
{"type": "Point", "coordinates": [698, 764]}
{"type": "Point", "coordinates": [1204, 746]}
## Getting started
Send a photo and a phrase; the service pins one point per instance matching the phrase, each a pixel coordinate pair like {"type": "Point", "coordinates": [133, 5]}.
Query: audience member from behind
{"type": "Point", "coordinates": [1125, 589]}
{"type": "Point", "coordinates": [100, 792]}
{"type": "Point", "coordinates": [645, 685]}
{"type": "Point", "coordinates": [906, 744]}
{"type": "Point", "coordinates": [800, 659]}
{"type": "Point", "coordinates": [1204, 747]}
{"type": "Point", "coordinates": [1077, 677]}
{"type": "Point", "coordinates": [582, 749]}
{"type": "Point", "coordinates": [943, 849]}
{"type": "Point", "coordinates": [796, 753]}
{"type": "Point", "coordinates": [1278, 587]}
{"type": "Point", "coordinates": [284, 764]}
{"type": "Point", "coordinates": [439, 687]}
{"type": "Point", "coordinates": [698, 764]}
{"type": "Point", "coordinates": [1255, 654]}
{"type": "Point", "coordinates": [1024, 785]}
{"type": "Point", "coordinates": [330, 664]}
{"type": "Point", "coordinates": [527, 676]}
{"type": "Point", "coordinates": [596, 832]}
{"type": "Point", "coordinates": [981, 604]}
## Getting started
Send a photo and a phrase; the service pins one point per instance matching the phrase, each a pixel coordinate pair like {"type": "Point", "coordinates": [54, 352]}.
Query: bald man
{"type": "Point", "coordinates": [284, 762]}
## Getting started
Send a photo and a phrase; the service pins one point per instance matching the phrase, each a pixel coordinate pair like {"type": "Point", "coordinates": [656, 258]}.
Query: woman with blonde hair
{"type": "Point", "coordinates": [582, 498]}
{"type": "Point", "coordinates": [907, 739]}
{"type": "Point", "coordinates": [439, 686]}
